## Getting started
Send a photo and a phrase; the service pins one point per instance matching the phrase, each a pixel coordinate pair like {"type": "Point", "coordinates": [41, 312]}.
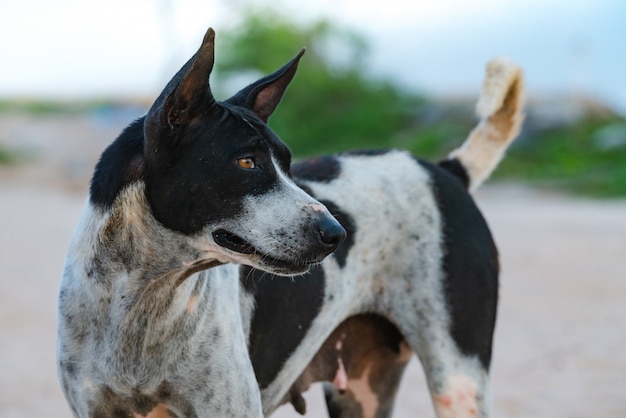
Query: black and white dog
{"type": "Point", "coordinates": [168, 305]}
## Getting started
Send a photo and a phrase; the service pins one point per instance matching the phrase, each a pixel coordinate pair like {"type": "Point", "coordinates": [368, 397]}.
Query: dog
{"type": "Point", "coordinates": [417, 274]}
{"type": "Point", "coordinates": [149, 317]}
{"type": "Point", "coordinates": [169, 304]}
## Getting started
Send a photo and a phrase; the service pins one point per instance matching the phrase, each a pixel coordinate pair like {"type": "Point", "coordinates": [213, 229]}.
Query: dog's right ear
{"type": "Point", "coordinates": [263, 96]}
{"type": "Point", "coordinates": [185, 96]}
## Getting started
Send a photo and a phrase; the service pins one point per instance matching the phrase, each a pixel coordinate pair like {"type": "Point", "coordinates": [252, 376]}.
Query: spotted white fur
{"type": "Point", "coordinates": [102, 298]}
{"type": "Point", "coordinates": [114, 335]}
{"type": "Point", "coordinates": [390, 214]}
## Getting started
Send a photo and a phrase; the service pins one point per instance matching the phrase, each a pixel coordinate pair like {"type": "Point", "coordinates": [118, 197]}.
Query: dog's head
{"type": "Point", "coordinates": [216, 169]}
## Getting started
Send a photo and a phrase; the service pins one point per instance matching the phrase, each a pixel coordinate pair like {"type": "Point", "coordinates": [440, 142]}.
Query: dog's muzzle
{"type": "Point", "coordinates": [324, 236]}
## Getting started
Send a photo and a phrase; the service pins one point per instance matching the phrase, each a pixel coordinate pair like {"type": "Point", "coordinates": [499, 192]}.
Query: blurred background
{"type": "Point", "coordinates": [402, 74]}
{"type": "Point", "coordinates": [376, 74]}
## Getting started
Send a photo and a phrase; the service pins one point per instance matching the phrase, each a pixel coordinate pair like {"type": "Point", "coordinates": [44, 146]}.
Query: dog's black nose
{"type": "Point", "coordinates": [331, 232]}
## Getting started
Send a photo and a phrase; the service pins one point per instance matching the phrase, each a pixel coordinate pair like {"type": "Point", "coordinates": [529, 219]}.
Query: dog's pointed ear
{"type": "Point", "coordinates": [264, 95]}
{"type": "Point", "coordinates": [187, 93]}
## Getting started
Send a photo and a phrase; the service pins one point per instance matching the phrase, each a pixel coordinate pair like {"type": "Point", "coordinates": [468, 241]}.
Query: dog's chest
{"type": "Point", "coordinates": [158, 358]}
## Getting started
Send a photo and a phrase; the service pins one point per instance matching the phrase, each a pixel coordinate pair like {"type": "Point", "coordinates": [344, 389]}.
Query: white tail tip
{"type": "Point", "coordinates": [500, 111]}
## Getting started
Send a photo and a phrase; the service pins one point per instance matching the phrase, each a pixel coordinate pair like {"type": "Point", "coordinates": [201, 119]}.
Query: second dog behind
{"type": "Point", "coordinates": [417, 274]}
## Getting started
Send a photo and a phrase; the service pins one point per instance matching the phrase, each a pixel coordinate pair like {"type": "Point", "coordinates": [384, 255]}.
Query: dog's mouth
{"type": "Point", "coordinates": [237, 244]}
{"type": "Point", "coordinates": [233, 242]}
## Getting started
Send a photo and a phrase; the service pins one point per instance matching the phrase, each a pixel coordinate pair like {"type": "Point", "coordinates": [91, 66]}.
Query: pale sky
{"type": "Point", "coordinates": [95, 48]}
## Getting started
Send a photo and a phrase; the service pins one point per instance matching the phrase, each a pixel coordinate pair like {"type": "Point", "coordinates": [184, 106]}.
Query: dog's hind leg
{"type": "Point", "coordinates": [457, 376]}
{"type": "Point", "coordinates": [454, 350]}
{"type": "Point", "coordinates": [460, 391]}
{"type": "Point", "coordinates": [369, 371]}
{"type": "Point", "coordinates": [447, 314]}
{"type": "Point", "coordinates": [453, 342]}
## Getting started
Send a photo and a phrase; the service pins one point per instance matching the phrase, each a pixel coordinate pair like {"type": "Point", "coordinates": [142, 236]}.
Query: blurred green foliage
{"type": "Point", "coordinates": [335, 105]}
{"type": "Point", "coordinates": [582, 158]}
{"type": "Point", "coordinates": [42, 107]}
{"type": "Point", "coordinates": [331, 105]}
{"type": "Point", "coordinates": [5, 156]}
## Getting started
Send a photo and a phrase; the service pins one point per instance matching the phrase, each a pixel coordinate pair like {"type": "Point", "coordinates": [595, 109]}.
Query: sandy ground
{"type": "Point", "coordinates": [560, 347]}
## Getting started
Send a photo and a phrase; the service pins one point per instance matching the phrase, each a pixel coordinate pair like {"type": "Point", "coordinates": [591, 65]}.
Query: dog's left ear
{"type": "Point", "coordinates": [264, 95]}
{"type": "Point", "coordinates": [187, 95]}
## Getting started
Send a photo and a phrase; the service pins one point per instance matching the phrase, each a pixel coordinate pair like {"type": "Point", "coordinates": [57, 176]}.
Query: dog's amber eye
{"type": "Point", "coordinates": [247, 163]}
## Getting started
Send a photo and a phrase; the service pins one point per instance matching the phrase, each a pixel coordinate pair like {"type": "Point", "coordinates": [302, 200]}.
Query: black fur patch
{"type": "Point", "coordinates": [470, 264]}
{"type": "Point", "coordinates": [120, 164]}
{"type": "Point", "coordinates": [367, 152]}
{"type": "Point", "coordinates": [190, 173]}
{"type": "Point", "coordinates": [455, 167]}
{"type": "Point", "coordinates": [285, 309]}
{"type": "Point", "coordinates": [199, 182]}
{"type": "Point", "coordinates": [188, 185]}
{"type": "Point", "coordinates": [320, 169]}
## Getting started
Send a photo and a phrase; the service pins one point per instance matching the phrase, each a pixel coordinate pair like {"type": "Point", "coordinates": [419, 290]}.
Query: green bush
{"type": "Point", "coordinates": [330, 106]}
{"type": "Point", "coordinates": [572, 158]}
{"type": "Point", "coordinates": [5, 156]}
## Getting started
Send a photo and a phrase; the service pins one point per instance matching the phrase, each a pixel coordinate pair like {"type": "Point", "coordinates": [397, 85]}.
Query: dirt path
{"type": "Point", "coordinates": [561, 330]}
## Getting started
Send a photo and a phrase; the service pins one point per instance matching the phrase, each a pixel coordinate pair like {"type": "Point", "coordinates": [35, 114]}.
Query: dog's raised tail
{"type": "Point", "coordinates": [500, 111]}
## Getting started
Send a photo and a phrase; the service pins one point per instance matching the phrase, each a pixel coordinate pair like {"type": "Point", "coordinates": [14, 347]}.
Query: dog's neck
{"type": "Point", "coordinates": [140, 270]}
{"type": "Point", "coordinates": [143, 292]}
{"type": "Point", "coordinates": [130, 238]}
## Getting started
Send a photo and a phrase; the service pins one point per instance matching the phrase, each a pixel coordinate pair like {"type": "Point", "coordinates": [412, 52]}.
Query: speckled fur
{"type": "Point", "coordinates": [149, 319]}
{"type": "Point", "coordinates": [136, 316]}
{"type": "Point", "coordinates": [125, 332]}
{"type": "Point", "coordinates": [393, 269]}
